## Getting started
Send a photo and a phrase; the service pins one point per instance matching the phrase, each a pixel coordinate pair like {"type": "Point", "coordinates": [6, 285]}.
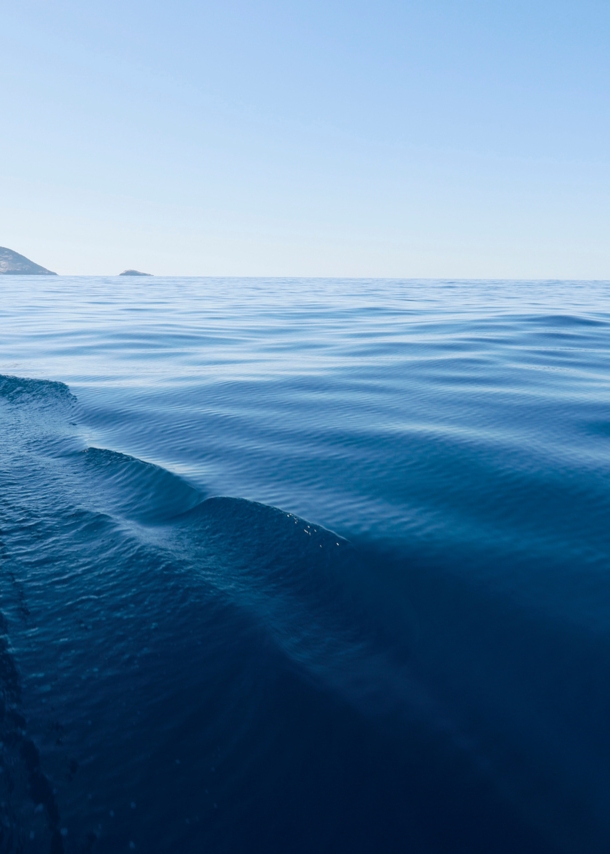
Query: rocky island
{"type": "Point", "coordinates": [14, 264]}
{"type": "Point", "coordinates": [134, 273]}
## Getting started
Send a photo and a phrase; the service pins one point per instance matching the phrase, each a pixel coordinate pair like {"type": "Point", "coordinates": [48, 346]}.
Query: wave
{"type": "Point", "coordinates": [140, 490]}
{"type": "Point", "coordinates": [27, 391]}
{"type": "Point", "coordinates": [229, 664]}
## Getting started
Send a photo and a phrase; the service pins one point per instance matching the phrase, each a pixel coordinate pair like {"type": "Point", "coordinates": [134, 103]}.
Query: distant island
{"type": "Point", "coordinates": [134, 273]}
{"type": "Point", "coordinates": [14, 264]}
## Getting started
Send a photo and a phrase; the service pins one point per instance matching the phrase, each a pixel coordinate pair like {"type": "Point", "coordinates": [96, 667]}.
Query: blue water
{"type": "Point", "coordinates": [304, 566]}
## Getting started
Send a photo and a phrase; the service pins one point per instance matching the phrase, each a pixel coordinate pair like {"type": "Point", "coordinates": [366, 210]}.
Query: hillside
{"type": "Point", "coordinates": [14, 264]}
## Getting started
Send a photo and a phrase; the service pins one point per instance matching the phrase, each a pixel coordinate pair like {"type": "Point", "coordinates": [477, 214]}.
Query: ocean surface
{"type": "Point", "coordinates": [293, 566]}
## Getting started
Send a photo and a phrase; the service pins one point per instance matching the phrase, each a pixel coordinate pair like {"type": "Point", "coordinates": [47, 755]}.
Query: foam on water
{"type": "Point", "coordinates": [186, 667]}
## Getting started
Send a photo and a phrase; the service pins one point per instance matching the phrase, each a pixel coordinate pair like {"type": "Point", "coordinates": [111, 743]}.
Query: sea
{"type": "Point", "coordinates": [304, 566]}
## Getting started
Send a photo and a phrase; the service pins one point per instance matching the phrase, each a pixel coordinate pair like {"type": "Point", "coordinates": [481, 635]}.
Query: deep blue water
{"type": "Point", "coordinates": [304, 566]}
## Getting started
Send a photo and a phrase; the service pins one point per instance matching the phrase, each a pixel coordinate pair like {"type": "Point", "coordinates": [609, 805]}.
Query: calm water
{"type": "Point", "coordinates": [304, 566]}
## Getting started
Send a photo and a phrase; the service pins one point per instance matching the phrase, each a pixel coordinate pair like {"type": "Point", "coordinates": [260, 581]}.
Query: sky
{"type": "Point", "coordinates": [464, 139]}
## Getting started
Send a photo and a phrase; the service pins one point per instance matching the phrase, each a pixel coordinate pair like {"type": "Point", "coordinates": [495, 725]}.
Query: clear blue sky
{"type": "Point", "coordinates": [241, 137]}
